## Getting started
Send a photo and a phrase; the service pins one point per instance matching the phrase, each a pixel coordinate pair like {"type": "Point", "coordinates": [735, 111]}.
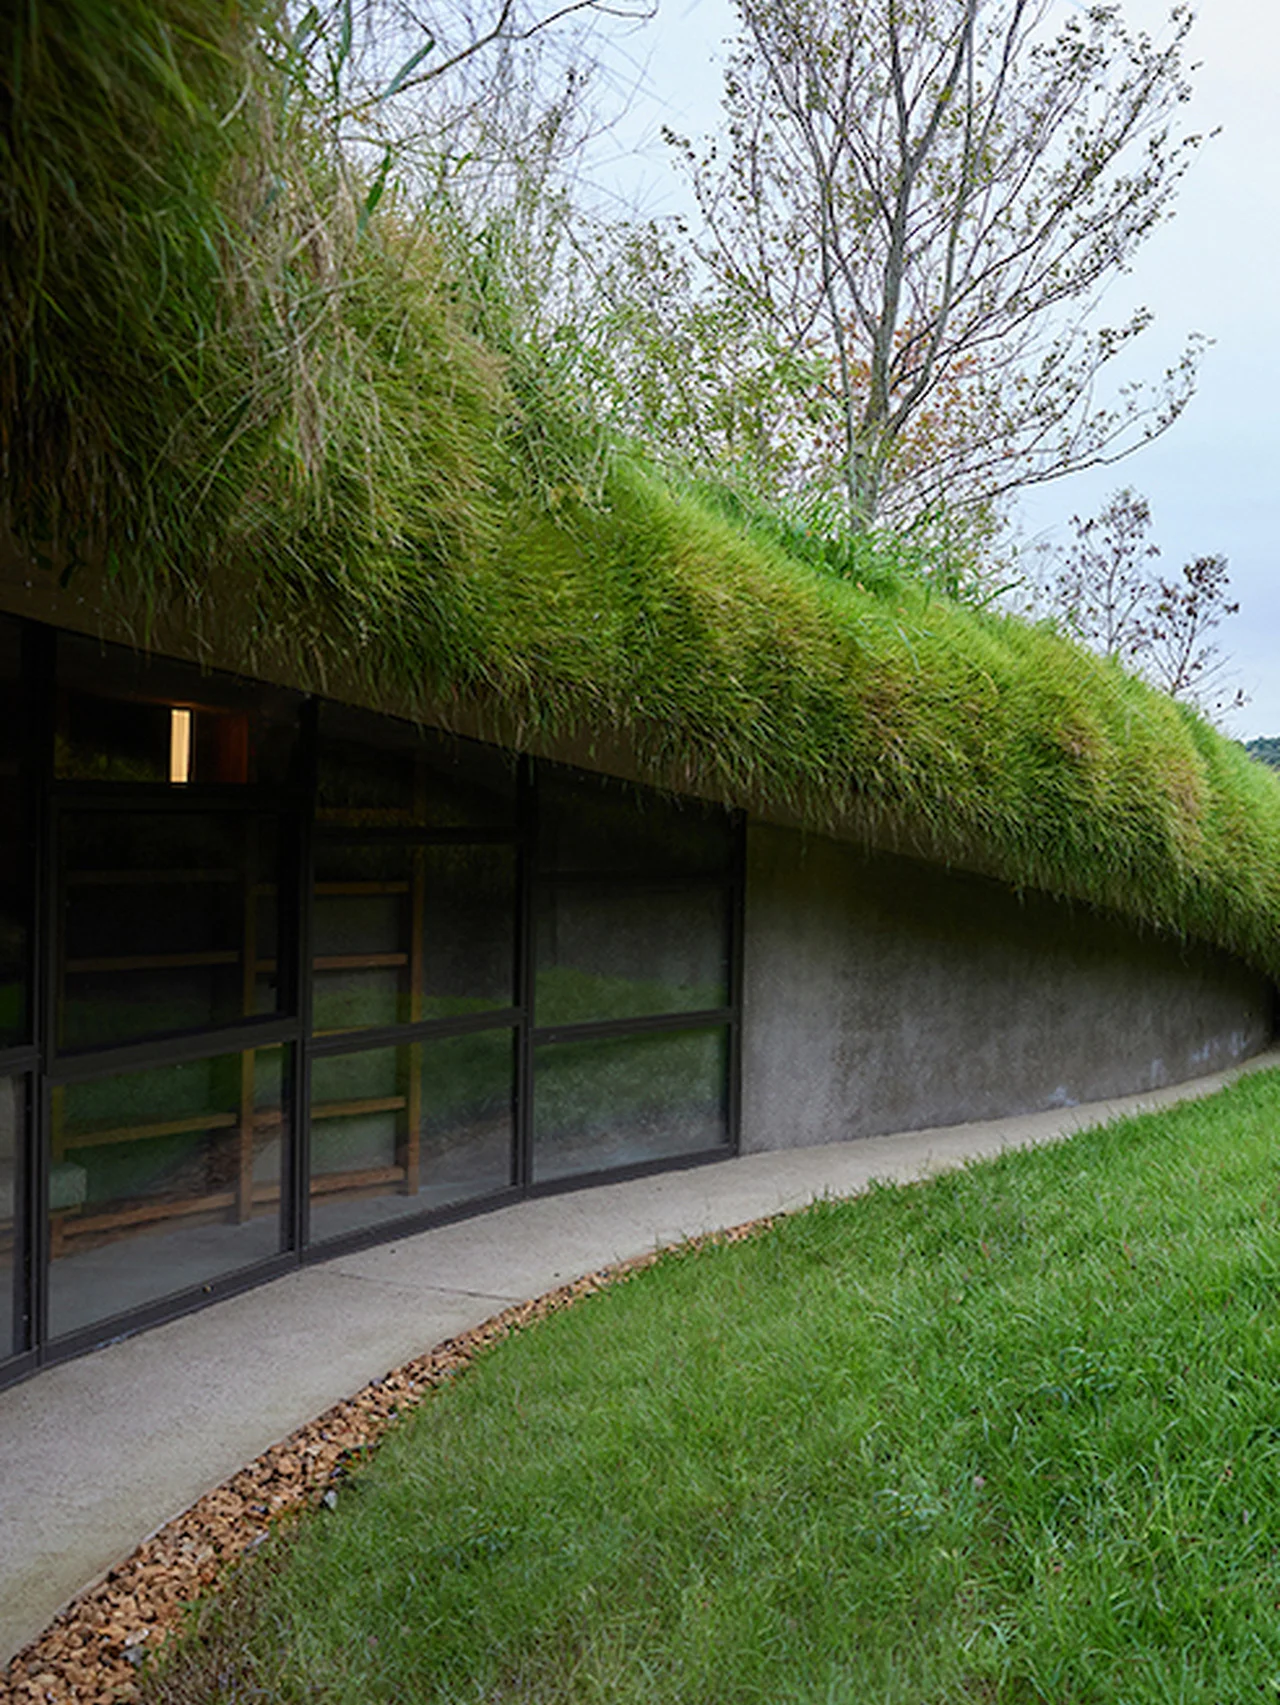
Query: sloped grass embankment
{"type": "Point", "coordinates": [1010, 1435]}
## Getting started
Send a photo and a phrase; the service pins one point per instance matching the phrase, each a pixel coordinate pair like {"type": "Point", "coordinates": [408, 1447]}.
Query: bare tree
{"type": "Point", "coordinates": [1112, 598]}
{"type": "Point", "coordinates": [1181, 658]}
{"type": "Point", "coordinates": [1105, 587]}
{"type": "Point", "coordinates": [931, 194]}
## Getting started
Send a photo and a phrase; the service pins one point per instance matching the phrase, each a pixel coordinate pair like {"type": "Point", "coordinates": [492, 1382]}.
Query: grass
{"type": "Point", "coordinates": [241, 406]}
{"type": "Point", "coordinates": [1007, 1436]}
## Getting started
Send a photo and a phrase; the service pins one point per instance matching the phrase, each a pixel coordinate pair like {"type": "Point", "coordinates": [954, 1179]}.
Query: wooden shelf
{"type": "Point", "coordinates": [156, 961]}
{"type": "Point", "coordinates": [360, 890]}
{"type": "Point", "coordinates": [359, 961]}
{"type": "Point", "coordinates": [140, 1133]}
{"type": "Point", "coordinates": [352, 1109]}
{"type": "Point", "coordinates": [330, 1183]}
{"type": "Point", "coordinates": [146, 878]}
{"type": "Point", "coordinates": [370, 817]}
{"type": "Point", "coordinates": [343, 962]}
{"type": "Point", "coordinates": [71, 1224]}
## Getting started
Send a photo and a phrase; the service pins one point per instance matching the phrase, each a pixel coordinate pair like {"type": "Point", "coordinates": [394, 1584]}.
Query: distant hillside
{"type": "Point", "coordinates": [1266, 749]}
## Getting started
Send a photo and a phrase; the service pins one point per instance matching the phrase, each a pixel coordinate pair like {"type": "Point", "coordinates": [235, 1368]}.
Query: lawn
{"type": "Point", "coordinates": [1010, 1435]}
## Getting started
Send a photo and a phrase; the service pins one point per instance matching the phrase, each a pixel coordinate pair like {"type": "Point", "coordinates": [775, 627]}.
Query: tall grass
{"type": "Point", "coordinates": [1007, 1436]}
{"type": "Point", "coordinates": [236, 393]}
{"type": "Point", "coordinates": [210, 352]}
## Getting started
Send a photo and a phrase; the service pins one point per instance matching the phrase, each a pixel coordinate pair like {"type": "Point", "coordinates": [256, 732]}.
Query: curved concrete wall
{"type": "Point", "coordinates": [882, 994]}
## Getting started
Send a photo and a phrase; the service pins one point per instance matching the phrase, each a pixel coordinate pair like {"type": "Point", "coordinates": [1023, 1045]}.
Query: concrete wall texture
{"type": "Point", "coordinates": [882, 994]}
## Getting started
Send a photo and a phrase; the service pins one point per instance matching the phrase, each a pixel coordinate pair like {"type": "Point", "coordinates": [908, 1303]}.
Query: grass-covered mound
{"type": "Point", "coordinates": [238, 380]}
{"type": "Point", "coordinates": [1006, 1436]}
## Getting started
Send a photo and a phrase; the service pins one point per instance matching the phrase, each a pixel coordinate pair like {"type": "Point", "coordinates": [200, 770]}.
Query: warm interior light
{"type": "Point", "coordinates": [180, 745]}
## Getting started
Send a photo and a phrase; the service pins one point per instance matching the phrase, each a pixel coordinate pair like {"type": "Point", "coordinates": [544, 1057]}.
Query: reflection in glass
{"type": "Point", "coordinates": [397, 1131]}
{"type": "Point", "coordinates": [382, 773]}
{"type": "Point", "coordinates": [12, 1132]}
{"type": "Point", "coordinates": [468, 929]}
{"type": "Point", "coordinates": [616, 1103]}
{"type": "Point", "coordinates": [161, 1180]}
{"type": "Point", "coordinates": [591, 823]}
{"type": "Point", "coordinates": [15, 841]}
{"type": "Point", "coordinates": [169, 923]}
{"type": "Point", "coordinates": [404, 933]}
{"type": "Point", "coordinates": [12, 720]}
{"type": "Point", "coordinates": [627, 952]}
{"type": "Point", "coordinates": [14, 912]}
{"type": "Point", "coordinates": [362, 921]}
{"type": "Point", "coordinates": [363, 784]}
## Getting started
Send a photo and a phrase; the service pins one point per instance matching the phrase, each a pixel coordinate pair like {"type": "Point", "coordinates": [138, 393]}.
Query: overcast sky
{"type": "Point", "coordinates": [1213, 481]}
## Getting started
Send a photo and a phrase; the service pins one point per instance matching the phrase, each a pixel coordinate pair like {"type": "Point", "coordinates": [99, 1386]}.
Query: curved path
{"type": "Point", "coordinates": [96, 1454]}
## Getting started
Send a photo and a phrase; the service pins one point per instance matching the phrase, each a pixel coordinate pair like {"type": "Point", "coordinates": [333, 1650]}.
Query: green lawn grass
{"type": "Point", "coordinates": [1010, 1435]}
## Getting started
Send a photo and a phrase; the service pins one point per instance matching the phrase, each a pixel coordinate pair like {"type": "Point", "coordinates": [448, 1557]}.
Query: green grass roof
{"type": "Point", "coordinates": [236, 396]}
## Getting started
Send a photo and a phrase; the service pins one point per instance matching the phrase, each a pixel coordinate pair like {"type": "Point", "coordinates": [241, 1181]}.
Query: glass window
{"type": "Point", "coordinates": [377, 771]}
{"type": "Point", "coordinates": [15, 844]}
{"type": "Point", "coordinates": [14, 914]}
{"type": "Point", "coordinates": [162, 1180]}
{"type": "Point", "coordinates": [363, 785]}
{"type": "Point", "coordinates": [591, 823]}
{"type": "Point", "coordinates": [126, 717]}
{"type": "Point", "coordinates": [468, 929]}
{"type": "Point", "coordinates": [13, 1102]}
{"type": "Point", "coordinates": [12, 706]}
{"type": "Point", "coordinates": [403, 933]}
{"type": "Point", "coordinates": [610, 952]}
{"type": "Point", "coordinates": [612, 1103]}
{"type": "Point", "coordinates": [362, 925]}
{"type": "Point", "coordinates": [396, 1131]}
{"type": "Point", "coordinates": [169, 923]}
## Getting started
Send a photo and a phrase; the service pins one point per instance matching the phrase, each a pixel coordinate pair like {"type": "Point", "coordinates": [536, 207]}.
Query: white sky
{"type": "Point", "coordinates": [1213, 481]}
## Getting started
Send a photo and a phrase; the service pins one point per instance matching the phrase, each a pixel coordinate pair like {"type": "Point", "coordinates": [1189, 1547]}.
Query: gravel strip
{"type": "Point", "coordinates": [91, 1654]}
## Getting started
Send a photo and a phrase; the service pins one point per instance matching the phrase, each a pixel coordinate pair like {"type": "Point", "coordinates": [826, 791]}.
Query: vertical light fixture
{"type": "Point", "coordinates": [179, 745]}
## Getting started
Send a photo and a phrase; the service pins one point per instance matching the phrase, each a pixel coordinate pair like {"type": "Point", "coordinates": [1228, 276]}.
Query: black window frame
{"type": "Point", "coordinates": [24, 1060]}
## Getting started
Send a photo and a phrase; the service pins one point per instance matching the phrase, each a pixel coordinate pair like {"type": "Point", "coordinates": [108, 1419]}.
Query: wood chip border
{"type": "Point", "coordinates": [92, 1652]}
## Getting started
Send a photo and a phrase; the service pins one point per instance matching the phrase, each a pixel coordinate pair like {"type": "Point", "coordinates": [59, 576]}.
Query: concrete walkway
{"type": "Point", "coordinates": [97, 1454]}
